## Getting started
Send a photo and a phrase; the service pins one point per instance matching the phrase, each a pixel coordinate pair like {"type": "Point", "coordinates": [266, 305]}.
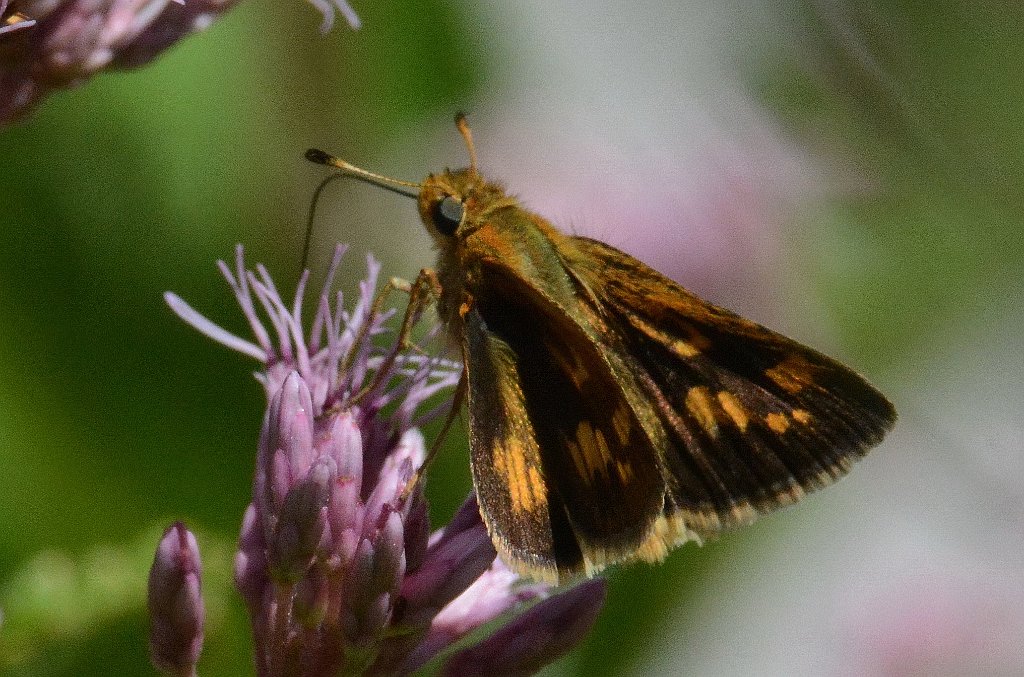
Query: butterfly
{"type": "Point", "coordinates": [613, 415]}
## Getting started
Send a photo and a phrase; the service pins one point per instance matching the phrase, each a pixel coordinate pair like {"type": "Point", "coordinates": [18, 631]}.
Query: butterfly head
{"type": "Point", "coordinates": [452, 204]}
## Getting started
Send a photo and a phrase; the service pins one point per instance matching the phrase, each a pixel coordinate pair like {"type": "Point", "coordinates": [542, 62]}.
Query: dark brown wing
{"type": "Point", "coordinates": [752, 419]}
{"type": "Point", "coordinates": [567, 480]}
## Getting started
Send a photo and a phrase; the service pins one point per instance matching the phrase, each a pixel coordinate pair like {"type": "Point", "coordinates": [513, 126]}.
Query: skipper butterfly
{"type": "Point", "coordinates": [612, 414]}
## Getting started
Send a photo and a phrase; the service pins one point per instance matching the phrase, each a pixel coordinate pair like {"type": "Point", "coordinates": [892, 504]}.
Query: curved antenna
{"type": "Point", "coordinates": [467, 136]}
{"type": "Point", "coordinates": [309, 219]}
{"type": "Point", "coordinates": [350, 171]}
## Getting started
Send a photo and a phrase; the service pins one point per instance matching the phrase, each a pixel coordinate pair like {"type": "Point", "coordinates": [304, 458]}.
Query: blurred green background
{"type": "Point", "coordinates": [850, 173]}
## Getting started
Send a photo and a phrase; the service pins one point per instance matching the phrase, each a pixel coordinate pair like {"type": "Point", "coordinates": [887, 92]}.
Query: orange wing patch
{"type": "Point", "coordinates": [777, 422]}
{"type": "Point", "coordinates": [689, 347]}
{"type": "Point", "coordinates": [698, 402]}
{"type": "Point", "coordinates": [709, 413]}
{"type": "Point", "coordinates": [523, 480]}
{"type": "Point", "coordinates": [622, 422]}
{"type": "Point", "coordinates": [734, 410]}
{"type": "Point", "coordinates": [802, 416]}
{"type": "Point", "coordinates": [590, 451]}
{"type": "Point", "coordinates": [793, 374]}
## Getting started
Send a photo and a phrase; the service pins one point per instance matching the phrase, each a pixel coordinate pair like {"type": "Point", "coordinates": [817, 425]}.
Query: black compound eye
{"type": "Point", "coordinates": [448, 214]}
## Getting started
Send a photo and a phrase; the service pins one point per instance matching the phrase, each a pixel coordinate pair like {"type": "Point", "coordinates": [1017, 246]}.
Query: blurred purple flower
{"type": "Point", "coordinates": [176, 610]}
{"type": "Point", "coordinates": [704, 203]}
{"type": "Point", "coordinates": [13, 20]}
{"type": "Point", "coordinates": [327, 9]}
{"type": "Point", "coordinates": [537, 637]}
{"type": "Point", "coordinates": [46, 45]}
{"type": "Point", "coordinates": [939, 623]}
{"type": "Point", "coordinates": [335, 562]}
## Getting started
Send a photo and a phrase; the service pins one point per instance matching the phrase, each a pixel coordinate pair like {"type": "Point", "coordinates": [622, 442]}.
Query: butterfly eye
{"type": "Point", "coordinates": [448, 214]}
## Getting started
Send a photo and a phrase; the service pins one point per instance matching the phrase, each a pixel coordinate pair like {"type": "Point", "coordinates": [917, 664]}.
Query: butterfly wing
{"type": "Point", "coordinates": [752, 419]}
{"type": "Point", "coordinates": [567, 480]}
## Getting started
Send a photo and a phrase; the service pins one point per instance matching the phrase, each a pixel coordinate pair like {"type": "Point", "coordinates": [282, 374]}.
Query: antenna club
{"type": "Point", "coordinates": [463, 125]}
{"type": "Point", "coordinates": [320, 157]}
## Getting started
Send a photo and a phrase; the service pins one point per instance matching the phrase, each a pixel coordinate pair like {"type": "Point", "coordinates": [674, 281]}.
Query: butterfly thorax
{"type": "Point", "coordinates": [492, 231]}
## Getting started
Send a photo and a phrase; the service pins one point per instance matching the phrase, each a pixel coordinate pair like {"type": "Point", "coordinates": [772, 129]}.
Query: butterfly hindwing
{"type": "Point", "coordinates": [752, 419]}
{"type": "Point", "coordinates": [547, 413]}
{"type": "Point", "coordinates": [530, 533]}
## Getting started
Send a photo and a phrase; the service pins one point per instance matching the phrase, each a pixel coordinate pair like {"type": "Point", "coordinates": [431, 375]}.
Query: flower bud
{"type": "Point", "coordinates": [176, 611]}
{"type": "Point", "coordinates": [537, 637]}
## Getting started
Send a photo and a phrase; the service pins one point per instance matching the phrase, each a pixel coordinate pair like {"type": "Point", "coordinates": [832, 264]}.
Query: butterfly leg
{"type": "Point", "coordinates": [458, 398]}
{"type": "Point", "coordinates": [422, 293]}
{"type": "Point", "coordinates": [376, 308]}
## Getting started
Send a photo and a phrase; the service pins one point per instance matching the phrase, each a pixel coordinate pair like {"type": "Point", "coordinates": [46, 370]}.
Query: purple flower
{"type": "Point", "coordinates": [13, 20]}
{"type": "Point", "coordinates": [175, 606]}
{"type": "Point", "coordinates": [53, 44]}
{"type": "Point", "coordinates": [336, 563]}
{"type": "Point", "coordinates": [537, 637]}
{"type": "Point", "coordinates": [327, 9]}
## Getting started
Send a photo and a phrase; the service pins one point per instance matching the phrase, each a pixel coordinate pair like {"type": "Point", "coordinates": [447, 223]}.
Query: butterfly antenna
{"type": "Point", "coordinates": [467, 135]}
{"type": "Point", "coordinates": [386, 182]}
{"type": "Point", "coordinates": [309, 219]}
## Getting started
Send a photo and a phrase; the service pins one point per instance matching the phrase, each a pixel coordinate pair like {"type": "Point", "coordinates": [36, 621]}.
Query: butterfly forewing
{"type": "Point", "coordinates": [753, 419]}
